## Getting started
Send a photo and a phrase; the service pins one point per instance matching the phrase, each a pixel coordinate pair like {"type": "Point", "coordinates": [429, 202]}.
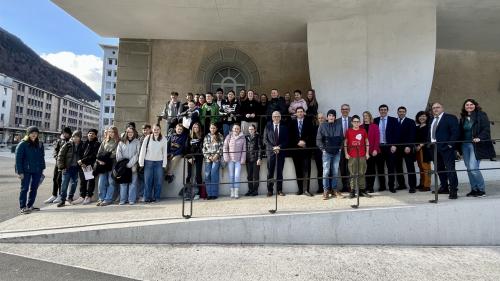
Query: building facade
{"type": "Point", "coordinates": [31, 106]}
{"type": "Point", "coordinates": [6, 86]}
{"type": "Point", "coordinates": [108, 90]}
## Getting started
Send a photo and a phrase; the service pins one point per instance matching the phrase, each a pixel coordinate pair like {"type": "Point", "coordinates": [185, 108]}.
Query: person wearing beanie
{"type": "Point", "coordinates": [67, 163]}
{"type": "Point", "coordinates": [329, 140]}
{"type": "Point", "coordinates": [57, 179]}
{"type": "Point", "coordinates": [30, 163]}
{"type": "Point", "coordinates": [88, 156]}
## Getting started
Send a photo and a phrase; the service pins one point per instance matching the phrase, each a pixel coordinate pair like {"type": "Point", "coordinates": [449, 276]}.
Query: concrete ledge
{"type": "Point", "coordinates": [468, 222]}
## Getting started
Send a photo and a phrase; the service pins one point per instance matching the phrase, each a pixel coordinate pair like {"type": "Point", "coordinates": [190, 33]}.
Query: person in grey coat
{"type": "Point", "coordinates": [129, 148]}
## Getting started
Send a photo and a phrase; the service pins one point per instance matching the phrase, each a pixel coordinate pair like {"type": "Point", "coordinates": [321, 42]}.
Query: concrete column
{"type": "Point", "coordinates": [133, 82]}
{"type": "Point", "coordinates": [374, 58]}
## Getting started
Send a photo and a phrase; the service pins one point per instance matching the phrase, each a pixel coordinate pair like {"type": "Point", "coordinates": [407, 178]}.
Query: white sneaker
{"type": "Point", "coordinates": [197, 197]}
{"type": "Point", "coordinates": [87, 201]}
{"type": "Point", "coordinates": [50, 200]}
{"type": "Point", "coordinates": [78, 201]}
{"type": "Point", "coordinates": [236, 191]}
{"type": "Point", "coordinates": [232, 192]}
{"type": "Point", "coordinates": [58, 200]}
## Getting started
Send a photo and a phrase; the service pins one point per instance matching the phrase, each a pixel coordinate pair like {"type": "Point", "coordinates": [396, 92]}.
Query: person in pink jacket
{"type": "Point", "coordinates": [374, 139]}
{"type": "Point", "coordinates": [297, 102]}
{"type": "Point", "coordinates": [234, 153]}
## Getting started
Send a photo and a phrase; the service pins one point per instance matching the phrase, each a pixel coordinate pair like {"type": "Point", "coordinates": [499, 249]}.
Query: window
{"type": "Point", "coordinates": [1, 117]}
{"type": "Point", "coordinates": [114, 97]}
{"type": "Point", "coordinates": [109, 73]}
{"type": "Point", "coordinates": [112, 109]}
{"type": "Point", "coordinates": [106, 121]}
{"type": "Point", "coordinates": [110, 61]}
{"type": "Point", "coordinates": [3, 103]}
{"type": "Point", "coordinates": [106, 109]}
{"type": "Point", "coordinates": [228, 79]}
{"type": "Point", "coordinates": [108, 85]}
{"type": "Point", "coordinates": [5, 91]}
{"type": "Point", "coordinates": [114, 85]}
{"type": "Point", "coordinates": [115, 72]}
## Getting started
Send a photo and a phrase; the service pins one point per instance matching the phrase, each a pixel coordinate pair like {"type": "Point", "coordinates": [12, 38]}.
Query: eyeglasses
{"type": "Point", "coordinates": [344, 109]}
{"type": "Point", "coordinates": [356, 121]}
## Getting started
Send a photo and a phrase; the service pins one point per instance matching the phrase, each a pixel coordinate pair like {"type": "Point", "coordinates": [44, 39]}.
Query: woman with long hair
{"type": "Point", "coordinates": [106, 156]}
{"type": "Point", "coordinates": [195, 146]}
{"type": "Point", "coordinates": [30, 163]}
{"type": "Point", "coordinates": [312, 104]}
{"type": "Point", "coordinates": [234, 153]}
{"type": "Point", "coordinates": [129, 148]}
{"type": "Point", "coordinates": [374, 140]}
{"type": "Point", "coordinates": [153, 157]}
{"type": "Point", "coordinates": [475, 132]}
{"type": "Point", "coordinates": [212, 151]}
{"type": "Point", "coordinates": [423, 154]}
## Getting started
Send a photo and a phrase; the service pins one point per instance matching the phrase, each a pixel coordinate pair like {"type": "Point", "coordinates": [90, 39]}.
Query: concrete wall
{"type": "Point", "coordinates": [463, 74]}
{"type": "Point", "coordinates": [176, 67]}
{"type": "Point", "coordinates": [370, 59]}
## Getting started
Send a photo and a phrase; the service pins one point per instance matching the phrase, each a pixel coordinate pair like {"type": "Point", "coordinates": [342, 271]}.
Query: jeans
{"type": "Point", "coordinates": [330, 164]}
{"type": "Point", "coordinates": [234, 173]}
{"type": "Point", "coordinates": [475, 177]}
{"type": "Point", "coordinates": [227, 128]}
{"type": "Point", "coordinates": [106, 187]}
{"type": "Point", "coordinates": [29, 187]}
{"type": "Point", "coordinates": [128, 191]}
{"type": "Point", "coordinates": [212, 178]}
{"type": "Point", "coordinates": [153, 180]}
{"type": "Point", "coordinates": [70, 173]}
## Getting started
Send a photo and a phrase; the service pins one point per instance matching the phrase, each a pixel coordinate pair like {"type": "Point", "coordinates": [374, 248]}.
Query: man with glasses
{"type": "Point", "coordinates": [443, 133]}
{"type": "Point", "coordinates": [389, 136]}
{"type": "Point", "coordinates": [275, 139]}
{"type": "Point", "coordinates": [346, 121]}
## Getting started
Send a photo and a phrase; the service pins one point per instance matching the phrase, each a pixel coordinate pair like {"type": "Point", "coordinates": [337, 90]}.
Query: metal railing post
{"type": "Point", "coordinates": [435, 172]}
{"type": "Point", "coordinates": [275, 172]}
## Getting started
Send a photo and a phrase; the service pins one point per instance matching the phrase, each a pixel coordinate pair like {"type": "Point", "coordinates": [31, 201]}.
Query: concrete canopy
{"type": "Point", "coordinates": [461, 24]}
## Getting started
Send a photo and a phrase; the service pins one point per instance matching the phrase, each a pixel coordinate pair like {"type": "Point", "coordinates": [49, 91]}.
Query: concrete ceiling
{"type": "Point", "coordinates": [461, 24]}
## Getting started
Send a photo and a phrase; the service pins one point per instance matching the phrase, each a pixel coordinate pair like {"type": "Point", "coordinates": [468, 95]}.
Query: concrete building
{"type": "Point", "coordinates": [108, 90]}
{"type": "Point", "coordinates": [27, 105]}
{"type": "Point", "coordinates": [359, 52]}
{"type": "Point", "coordinates": [6, 85]}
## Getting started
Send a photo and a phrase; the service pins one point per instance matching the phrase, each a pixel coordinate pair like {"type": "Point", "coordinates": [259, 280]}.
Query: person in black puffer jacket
{"type": "Point", "coordinates": [57, 179]}
{"type": "Point", "coordinates": [87, 158]}
{"type": "Point", "coordinates": [255, 152]}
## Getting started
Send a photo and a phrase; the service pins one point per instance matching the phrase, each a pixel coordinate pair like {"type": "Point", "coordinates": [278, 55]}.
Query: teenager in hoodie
{"type": "Point", "coordinates": [235, 153]}
{"type": "Point", "coordinates": [176, 147]}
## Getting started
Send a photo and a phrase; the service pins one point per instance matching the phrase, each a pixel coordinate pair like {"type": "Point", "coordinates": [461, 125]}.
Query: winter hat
{"type": "Point", "coordinates": [32, 129]}
{"type": "Point", "coordinates": [67, 130]}
{"type": "Point", "coordinates": [77, 134]}
{"type": "Point", "coordinates": [331, 111]}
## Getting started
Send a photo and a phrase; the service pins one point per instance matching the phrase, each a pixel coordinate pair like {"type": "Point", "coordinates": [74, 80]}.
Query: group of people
{"type": "Point", "coordinates": [225, 131]}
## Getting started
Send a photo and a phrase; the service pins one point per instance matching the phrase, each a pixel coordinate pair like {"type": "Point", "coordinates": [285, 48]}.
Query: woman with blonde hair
{"type": "Point", "coordinates": [106, 157]}
{"type": "Point", "coordinates": [212, 151]}
{"type": "Point", "coordinates": [374, 140]}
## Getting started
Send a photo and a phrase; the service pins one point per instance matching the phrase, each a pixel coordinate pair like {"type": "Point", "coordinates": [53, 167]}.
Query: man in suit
{"type": "Point", "coordinates": [346, 121]}
{"type": "Point", "coordinates": [275, 139]}
{"type": "Point", "coordinates": [444, 131]}
{"type": "Point", "coordinates": [406, 151]}
{"type": "Point", "coordinates": [301, 137]}
{"type": "Point", "coordinates": [389, 135]}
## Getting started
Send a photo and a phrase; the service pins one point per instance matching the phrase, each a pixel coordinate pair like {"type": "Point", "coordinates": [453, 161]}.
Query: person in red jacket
{"type": "Point", "coordinates": [356, 146]}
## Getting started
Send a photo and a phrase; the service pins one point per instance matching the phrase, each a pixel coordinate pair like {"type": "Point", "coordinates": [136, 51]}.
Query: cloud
{"type": "Point", "coordinates": [87, 68]}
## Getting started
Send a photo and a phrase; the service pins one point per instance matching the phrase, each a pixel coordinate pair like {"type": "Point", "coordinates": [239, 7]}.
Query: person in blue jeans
{"type": "Point", "coordinates": [129, 148]}
{"type": "Point", "coordinates": [107, 151]}
{"type": "Point", "coordinates": [30, 163]}
{"type": "Point", "coordinates": [329, 140]}
{"type": "Point", "coordinates": [476, 134]}
{"type": "Point", "coordinates": [153, 157]}
{"type": "Point", "coordinates": [212, 151]}
{"type": "Point", "coordinates": [146, 131]}
{"type": "Point", "coordinates": [67, 163]}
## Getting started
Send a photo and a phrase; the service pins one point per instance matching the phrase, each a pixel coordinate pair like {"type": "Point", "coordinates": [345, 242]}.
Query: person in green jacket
{"type": "Point", "coordinates": [209, 113]}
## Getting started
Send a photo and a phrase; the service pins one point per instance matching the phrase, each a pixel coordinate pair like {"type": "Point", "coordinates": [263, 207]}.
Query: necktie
{"type": "Point", "coordinates": [434, 127]}
{"type": "Point", "coordinates": [400, 121]}
{"type": "Point", "coordinates": [300, 128]}
{"type": "Point", "coordinates": [276, 135]}
{"type": "Point", "coordinates": [345, 125]}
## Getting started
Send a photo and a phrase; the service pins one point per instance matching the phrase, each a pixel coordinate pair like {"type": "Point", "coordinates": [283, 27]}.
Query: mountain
{"type": "Point", "coordinates": [20, 62]}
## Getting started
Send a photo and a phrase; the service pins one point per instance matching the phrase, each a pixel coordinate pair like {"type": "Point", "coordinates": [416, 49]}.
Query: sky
{"type": "Point", "coordinates": [57, 37]}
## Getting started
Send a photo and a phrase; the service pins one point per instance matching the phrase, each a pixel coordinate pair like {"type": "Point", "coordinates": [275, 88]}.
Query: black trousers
{"type": "Point", "coordinates": [318, 159]}
{"type": "Point", "coordinates": [344, 172]}
{"type": "Point", "coordinates": [302, 164]}
{"type": "Point", "coordinates": [371, 165]}
{"type": "Point", "coordinates": [271, 167]}
{"type": "Point", "coordinates": [87, 187]}
{"type": "Point", "coordinates": [198, 165]}
{"type": "Point", "coordinates": [386, 158]}
{"type": "Point", "coordinates": [446, 162]}
{"type": "Point", "coordinates": [253, 176]}
{"type": "Point", "coordinates": [409, 160]}
{"type": "Point", "coordinates": [56, 182]}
